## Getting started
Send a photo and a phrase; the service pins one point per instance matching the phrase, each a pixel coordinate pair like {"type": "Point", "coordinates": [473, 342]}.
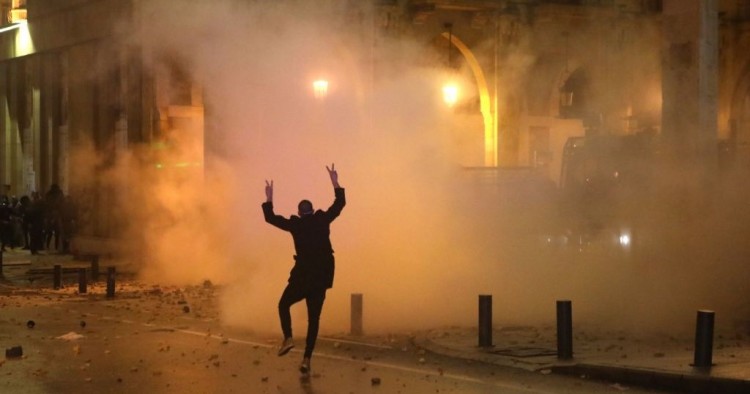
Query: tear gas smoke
{"type": "Point", "coordinates": [420, 237]}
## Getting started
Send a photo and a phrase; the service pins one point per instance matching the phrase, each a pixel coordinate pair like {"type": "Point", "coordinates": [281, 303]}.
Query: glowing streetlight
{"type": "Point", "coordinates": [450, 94]}
{"type": "Point", "coordinates": [320, 88]}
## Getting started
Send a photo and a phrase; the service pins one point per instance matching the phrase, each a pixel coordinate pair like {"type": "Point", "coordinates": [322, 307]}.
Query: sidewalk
{"type": "Point", "coordinates": [659, 362]}
{"type": "Point", "coordinates": [22, 269]}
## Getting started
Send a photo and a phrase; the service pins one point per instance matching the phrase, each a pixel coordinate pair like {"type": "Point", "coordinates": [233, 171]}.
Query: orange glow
{"type": "Point", "coordinates": [320, 88]}
{"type": "Point", "coordinates": [450, 94]}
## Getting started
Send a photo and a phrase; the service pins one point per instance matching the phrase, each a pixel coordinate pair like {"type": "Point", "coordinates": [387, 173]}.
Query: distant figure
{"type": "Point", "coordinates": [313, 269]}
{"type": "Point", "coordinates": [68, 226]}
{"type": "Point", "coordinates": [35, 217]}
{"type": "Point", "coordinates": [6, 225]}
{"type": "Point", "coordinates": [53, 205]}
{"type": "Point", "coordinates": [5, 197]}
{"type": "Point", "coordinates": [22, 209]}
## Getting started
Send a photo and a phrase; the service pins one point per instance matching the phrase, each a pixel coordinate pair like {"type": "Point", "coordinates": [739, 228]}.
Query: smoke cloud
{"type": "Point", "coordinates": [420, 237]}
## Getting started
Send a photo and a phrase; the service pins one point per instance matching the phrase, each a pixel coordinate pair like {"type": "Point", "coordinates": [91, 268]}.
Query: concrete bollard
{"type": "Point", "coordinates": [95, 268]}
{"type": "Point", "coordinates": [485, 321]}
{"type": "Point", "coordinates": [82, 281]}
{"type": "Point", "coordinates": [57, 277]}
{"type": "Point", "coordinates": [564, 330]}
{"type": "Point", "coordinates": [111, 282]}
{"type": "Point", "coordinates": [356, 309]}
{"type": "Point", "coordinates": [704, 339]}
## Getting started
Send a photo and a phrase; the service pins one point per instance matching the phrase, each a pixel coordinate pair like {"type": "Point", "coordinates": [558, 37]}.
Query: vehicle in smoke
{"type": "Point", "coordinates": [605, 182]}
{"type": "Point", "coordinates": [610, 185]}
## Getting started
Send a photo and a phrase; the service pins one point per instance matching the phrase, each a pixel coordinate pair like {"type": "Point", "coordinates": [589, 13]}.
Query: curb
{"type": "Point", "coordinates": [646, 378]}
{"type": "Point", "coordinates": [661, 380]}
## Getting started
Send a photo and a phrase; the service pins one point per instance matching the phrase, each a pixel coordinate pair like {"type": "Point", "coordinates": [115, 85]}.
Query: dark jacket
{"type": "Point", "coordinates": [314, 263]}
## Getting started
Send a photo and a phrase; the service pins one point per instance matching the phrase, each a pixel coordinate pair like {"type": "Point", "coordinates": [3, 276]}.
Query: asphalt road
{"type": "Point", "coordinates": [145, 341]}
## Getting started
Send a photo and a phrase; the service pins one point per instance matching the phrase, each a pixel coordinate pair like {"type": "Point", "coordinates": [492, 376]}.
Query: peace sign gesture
{"type": "Point", "coordinates": [269, 191]}
{"type": "Point", "coordinates": [334, 175]}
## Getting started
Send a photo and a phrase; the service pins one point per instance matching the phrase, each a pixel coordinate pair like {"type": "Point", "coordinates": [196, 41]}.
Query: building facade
{"type": "Point", "coordinates": [541, 71]}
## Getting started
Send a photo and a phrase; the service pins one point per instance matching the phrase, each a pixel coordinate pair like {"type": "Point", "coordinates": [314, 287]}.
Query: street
{"type": "Point", "coordinates": [164, 340]}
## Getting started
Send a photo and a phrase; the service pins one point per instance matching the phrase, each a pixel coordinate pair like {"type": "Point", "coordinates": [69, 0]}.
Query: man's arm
{"type": "Point", "coordinates": [338, 203]}
{"type": "Point", "coordinates": [272, 218]}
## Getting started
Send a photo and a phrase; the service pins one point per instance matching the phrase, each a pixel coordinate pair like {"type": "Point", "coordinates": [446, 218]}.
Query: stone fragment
{"type": "Point", "coordinates": [14, 352]}
{"type": "Point", "coordinates": [71, 336]}
{"type": "Point", "coordinates": [375, 381]}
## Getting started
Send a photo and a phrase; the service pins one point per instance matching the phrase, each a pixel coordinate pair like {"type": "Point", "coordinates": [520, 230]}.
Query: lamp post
{"type": "Point", "coordinates": [450, 94]}
{"type": "Point", "coordinates": [320, 88]}
{"type": "Point", "coordinates": [450, 89]}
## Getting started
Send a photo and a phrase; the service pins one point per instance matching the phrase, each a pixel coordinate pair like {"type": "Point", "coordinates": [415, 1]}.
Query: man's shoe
{"type": "Point", "coordinates": [305, 366]}
{"type": "Point", "coordinates": [286, 346]}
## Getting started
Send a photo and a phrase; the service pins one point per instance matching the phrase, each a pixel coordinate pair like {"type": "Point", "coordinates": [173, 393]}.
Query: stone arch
{"type": "Point", "coordinates": [489, 117]}
{"type": "Point", "coordinates": [574, 94]}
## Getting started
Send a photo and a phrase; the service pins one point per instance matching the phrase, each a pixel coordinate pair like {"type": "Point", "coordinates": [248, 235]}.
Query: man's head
{"type": "Point", "coordinates": [304, 207]}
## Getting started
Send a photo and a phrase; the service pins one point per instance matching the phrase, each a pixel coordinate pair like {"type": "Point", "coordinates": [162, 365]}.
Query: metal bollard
{"type": "Point", "coordinates": [1, 262]}
{"type": "Point", "coordinates": [57, 278]}
{"type": "Point", "coordinates": [95, 268]}
{"type": "Point", "coordinates": [110, 282]}
{"type": "Point", "coordinates": [356, 323]}
{"type": "Point", "coordinates": [704, 339]}
{"type": "Point", "coordinates": [485, 321]}
{"type": "Point", "coordinates": [564, 330]}
{"type": "Point", "coordinates": [82, 281]}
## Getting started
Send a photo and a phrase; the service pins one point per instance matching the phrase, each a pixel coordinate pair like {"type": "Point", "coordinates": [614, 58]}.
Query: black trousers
{"type": "Point", "coordinates": [314, 297]}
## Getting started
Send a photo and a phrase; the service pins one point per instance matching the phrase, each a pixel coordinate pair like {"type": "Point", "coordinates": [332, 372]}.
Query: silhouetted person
{"type": "Point", "coordinates": [53, 205]}
{"type": "Point", "coordinates": [68, 225]}
{"type": "Point", "coordinates": [23, 207]}
{"type": "Point", "coordinates": [313, 269]}
{"type": "Point", "coordinates": [35, 217]}
{"type": "Point", "coordinates": [6, 226]}
{"type": "Point", "coordinates": [5, 197]}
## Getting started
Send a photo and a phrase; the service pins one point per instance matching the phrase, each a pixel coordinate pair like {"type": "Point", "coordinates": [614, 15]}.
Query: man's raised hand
{"type": "Point", "coordinates": [334, 175]}
{"type": "Point", "coordinates": [269, 191]}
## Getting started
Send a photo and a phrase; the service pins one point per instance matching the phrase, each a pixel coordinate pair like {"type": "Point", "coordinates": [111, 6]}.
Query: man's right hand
{"type": "Point", "coordinates": [269, 191]}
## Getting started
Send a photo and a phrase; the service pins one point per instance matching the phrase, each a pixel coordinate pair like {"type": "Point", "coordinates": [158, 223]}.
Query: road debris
{"type": "Point", "coordinates": [71, 336]}
{"type": "Point", "coordinates": [14, 352]}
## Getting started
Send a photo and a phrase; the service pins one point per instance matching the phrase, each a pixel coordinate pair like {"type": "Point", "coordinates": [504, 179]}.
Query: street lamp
{"type": "Point", "coordinates": [320, 88]}
{"type": "Point", "coordinates": [450, 89]}
{"type": "Point", "coordinates": [450, 94]}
